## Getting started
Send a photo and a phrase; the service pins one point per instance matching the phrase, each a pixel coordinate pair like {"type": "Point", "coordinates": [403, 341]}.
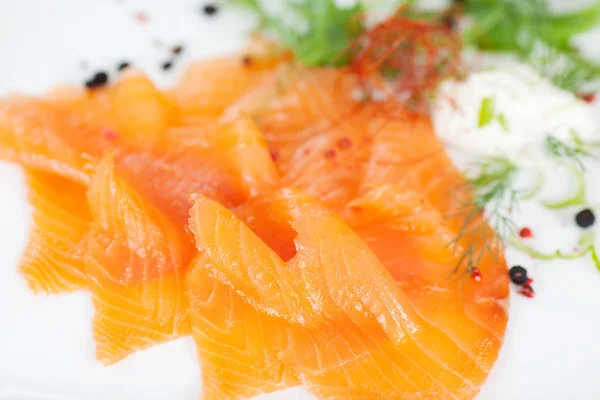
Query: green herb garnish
{"type": "Point", "coordinates": [530, 29]}
{"type": "Point", "coordinates": [577, 199]}
{"type": "Point", "coordinates": [502, 121]}
{"type": "Point", "coordinates": [587, 247]}
{"type": "Point", "coordinates": [327, 32]}
{"type": "Point", "coordinates": [492, 189]}
{"type": "Point", "coordinates": [571, 154]}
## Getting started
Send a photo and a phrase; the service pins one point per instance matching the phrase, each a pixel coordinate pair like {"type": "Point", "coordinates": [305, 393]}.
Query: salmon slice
{"type": "Point", "coordinates": [410, 236]}
{"type": "Point", "coordinates": [135, 262]}
{"type": "Point", "coordinates": [233, 340]}
{"type": "Point", "coordinates": [131, 112]}
{"type": "Point", "coordinates": [37, 134]}
{"type": "Point", "coordinates": [217, 161]}
{"type": "Point", "coordinates": [406, 152]}
{"type": "Point", "coordinates": [351, 330]}
{"type": "Point", "coordinates": [53, 262]}
{"type": "Point", "coordinates": [208, 88]}
{"type": "Point", "coordinates": [318, 135]}
{"type": "Point", "coordinates": [66, 134]}
{"type": "Point", "coordinates": [227, 162]}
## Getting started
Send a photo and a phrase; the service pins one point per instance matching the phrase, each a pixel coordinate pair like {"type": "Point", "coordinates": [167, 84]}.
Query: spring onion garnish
{"type": "Point", "coordinates": [587, 247]}
{"type": "Point", "coordinates": [486, 112]}
{"type": "Point", "coordinates": [535, 189]}
{"type": "Point", "coordinates": [577, 199]}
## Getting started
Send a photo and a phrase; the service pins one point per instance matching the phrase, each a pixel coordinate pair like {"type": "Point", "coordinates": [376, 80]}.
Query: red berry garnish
{"type": "Point", "coordinates": [525, 233]}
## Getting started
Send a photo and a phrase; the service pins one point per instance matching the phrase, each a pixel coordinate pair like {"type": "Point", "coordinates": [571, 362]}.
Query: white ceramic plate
{"type": "Point", "coordinates": [552, 346]}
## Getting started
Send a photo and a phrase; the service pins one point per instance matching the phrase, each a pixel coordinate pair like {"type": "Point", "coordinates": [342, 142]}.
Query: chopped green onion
{"type": "Point", "coordinates": [502, 121]}
{"type": "Point", "coordinates": [557, 255]}
{"type": "Point", "coordinates": [577, 200]}
{"type": "Point", "coordinates": [486, 112]}
{"type": "Point", "coordinates": [539, 184]}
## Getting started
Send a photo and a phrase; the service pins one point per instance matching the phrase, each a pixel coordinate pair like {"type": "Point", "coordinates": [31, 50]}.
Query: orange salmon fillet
{"type": "Point", "coordinates": [135, 262]}
{"type": "Point", "coordinates": [346, 314]}
{"type": "Point", "coordinates": [53, 260]}
{"type": "Point", "coordinates": [296, 230]}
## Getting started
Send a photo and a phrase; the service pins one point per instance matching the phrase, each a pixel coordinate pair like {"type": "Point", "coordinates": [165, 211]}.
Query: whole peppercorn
{"type": "Point", "coordinates": [585, 218]}
{"type": "Point", "coordinates": [518, 275]}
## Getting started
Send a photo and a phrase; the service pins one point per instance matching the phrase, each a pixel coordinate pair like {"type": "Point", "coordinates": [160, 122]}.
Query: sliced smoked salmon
{"type": "Point", "coordinates": [67, 133]}
{"type": "Point", "coordinates": [208, 88]}
{"type": "Point", "coordinates": [130, 112]}
{"type": "Point", "coordinates": [135, 262]}
{"type": "Point", "coordinates": [53, 259]}
{"type": "Point", "coordinates": [234, 340]}
{"type": "Point", "coordinates": [406, 152]}
{"type": "Point", "coordinates": [351, 329]}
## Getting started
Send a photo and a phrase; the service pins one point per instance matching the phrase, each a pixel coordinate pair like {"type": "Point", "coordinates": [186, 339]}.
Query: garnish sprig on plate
{"type": "Point", "coordinates": [320, 30]}
{"type": "Point", "coordinates": [537, 35]}
{"type": "Point", "coordinates": [586, 243]}
{"type": "Point", "coordinates": [483, 203]}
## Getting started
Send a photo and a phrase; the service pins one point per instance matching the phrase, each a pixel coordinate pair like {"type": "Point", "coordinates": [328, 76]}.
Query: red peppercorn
{"type": "Point", "coordinates": [476, 275]}
{"type": "Point", "coordinates": [110, 135]}
{"type": "Point", "coordinates": [525, 233]}
{"type": "Point", "coordinates": [587, 97]}
{"type": "Point", "coordinates": [274, 156]}
{"type": "Point", "coordinates": [344, 143]}
{"type": "Point", "coordinates": [527, 289]}
{"type": "Point", "coordinates": [141, 17]}
{"type": "Point", "coordinates": [330, 153]}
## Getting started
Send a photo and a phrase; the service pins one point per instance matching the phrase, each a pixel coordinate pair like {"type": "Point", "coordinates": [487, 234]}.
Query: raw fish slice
{"type": "Point", "coordinates": [199, 158]}
{"type": "Point", "coordinates": [406, 152]}
{"type": "Point", "coordinates": [298, 98]}
{"type": "Point", "coordinates": [409, 236]}
{"type": "Point", "coordinates": [38, 134]}
{"type": "Point", "coordinates": [207, 88]}
{"type": "Point", "coordinates": [53, 262]}
{"type": "Point", "coordinates": [233, 339]}
{"type": "Point", "coordinates": [317, 133]}
{"type": "Point", "coordinates": [68, 133]}
{"type": "Point", "coordinates": [340, 302]}
{"type": "Point", "coordinates": [226, 161]}
{"type": "Point", "coordinates": [135, 263]}
{"type": "Point", "coordinates": [131, 112]}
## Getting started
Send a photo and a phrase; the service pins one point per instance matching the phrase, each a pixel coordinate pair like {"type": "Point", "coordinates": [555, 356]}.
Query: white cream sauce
{"type": "Point", "coordinates": [531, 106]}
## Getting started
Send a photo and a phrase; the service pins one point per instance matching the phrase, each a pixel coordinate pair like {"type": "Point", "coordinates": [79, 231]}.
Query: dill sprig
{"type": "Point", "coordinates": [573, 154]}
{"type": "Point", "coordinates": [491, 191]}
{"type": "Point", "coordinates": [537, 35]}
{"type": "Point", "coordinates": [321, 31]}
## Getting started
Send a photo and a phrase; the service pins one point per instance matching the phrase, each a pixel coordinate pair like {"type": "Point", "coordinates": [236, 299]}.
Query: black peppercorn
{"type": "Point", "coordinates": [124, 65]}
{"type": "Point", "coordinates": [210, 9]}
{"type": "Point", "coordinates": [585, 218]}
{"type": "Point", "coordinates": [518, 275]}
{"type": "Point", "coordinates": [99, 80]}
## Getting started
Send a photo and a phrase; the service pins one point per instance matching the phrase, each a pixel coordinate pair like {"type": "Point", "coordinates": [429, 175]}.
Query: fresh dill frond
{"type": "Point", "coordinates": [572, 154]}
{"type": "Point", "coordinates": [537, 35]}
{"type": "Point", "coordinates": [323, 31]}
{"type": "Point", "coordinates": [566, 69]}
{"type": "Point", "coordinates": [491, 192]}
